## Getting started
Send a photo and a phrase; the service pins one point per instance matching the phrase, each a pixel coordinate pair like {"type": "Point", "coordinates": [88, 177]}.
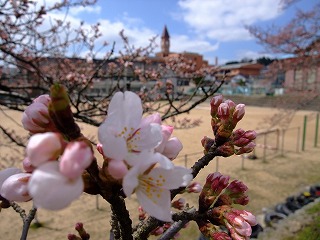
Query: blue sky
{"type": "Point", "coordinates": [213, 28]}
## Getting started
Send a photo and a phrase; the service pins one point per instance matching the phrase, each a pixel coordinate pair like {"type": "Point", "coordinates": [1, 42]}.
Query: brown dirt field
{"type": "Point", "coordinates": [270, 180]}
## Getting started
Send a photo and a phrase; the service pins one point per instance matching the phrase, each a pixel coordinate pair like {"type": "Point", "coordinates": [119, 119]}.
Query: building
{"type": "Point", "coordinates": [194, 58]}
{"type": "Point", "coordinates": [293, 74]}
{"type": "Point", "coordinates": [73, 71]}
{"type": "Point", "coordinates": [246, 69]}
{"type": "Point", "coordinates": [241, 78]}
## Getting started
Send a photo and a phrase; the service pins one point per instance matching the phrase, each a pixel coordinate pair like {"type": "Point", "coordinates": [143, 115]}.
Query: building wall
{"type": "Point", "coordinates": [303, 79]}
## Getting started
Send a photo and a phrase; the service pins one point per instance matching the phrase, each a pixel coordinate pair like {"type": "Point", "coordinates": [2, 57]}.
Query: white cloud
{"type": "Point", "coordinates": [88, 9]}
{"type": "Point", "coordinates": [241, 54]}
{"type": "Point", "coordinates": [138, 36]}
{"type": "Point", "coordinates": [135, 30]}
{"type": "Point", "coordinates": [180, 43]}
{"type": "Point", "coordinates": [224, 20]}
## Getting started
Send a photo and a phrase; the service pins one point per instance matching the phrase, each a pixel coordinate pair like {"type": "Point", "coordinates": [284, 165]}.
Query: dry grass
{"type": "Point", "coordinates": [269, 181]}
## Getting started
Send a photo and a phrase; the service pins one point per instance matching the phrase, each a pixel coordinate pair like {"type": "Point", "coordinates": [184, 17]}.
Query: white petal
{"type": "Point", "coordinates": [52, 190]}
{"type": "Point", "coordinates": [156, 204]}
{"type": "Point", "coordinates": [149, 137]}
{"type": "Point", "coordinates": [163, 161]}
{"type": "Point", "coordinates": [143, 160]}
{"type": "Point", "coordinates": [125, 110]}
{"type": "Point", "coordinates": [130, 181]}
{"type": "Point", "coordinates": [114, 147]}
{"type": "Point", "coordinates": [171, 178]}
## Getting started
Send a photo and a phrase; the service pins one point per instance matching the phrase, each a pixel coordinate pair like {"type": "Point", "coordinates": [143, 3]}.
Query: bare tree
{"type": "Point", "coordinates": [37, 50]}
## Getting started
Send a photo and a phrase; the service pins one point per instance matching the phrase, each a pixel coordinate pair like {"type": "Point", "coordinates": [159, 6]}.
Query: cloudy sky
{"type": "Point", "coordinates": [214, 28]}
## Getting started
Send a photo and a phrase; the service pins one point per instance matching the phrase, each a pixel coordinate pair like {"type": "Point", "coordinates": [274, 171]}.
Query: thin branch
{"type": "Point", "coordinates": [26, 223]}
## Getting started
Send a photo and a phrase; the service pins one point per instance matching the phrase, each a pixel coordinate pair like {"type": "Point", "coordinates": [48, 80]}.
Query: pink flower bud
{"type": "Point", "coordinates": [172, 148]}
{"type": "Point", "coordinates": [250, 135]}
{"type": "Point", "coordinates": [243, 200]}
{"type": "Point", "coordinates": [230, 103]}
{"type": "Point", "coordinates": [76, 157]}
{"type": "Point", "coordinates": [215, 184]}
{"type": "Point", "coordinates": [36, 117]}
{"type": "Point", "coordinates": [100, 148]}
{"type": "Point", "coordinates": [238, 133]}
{"type": "Point", "coordinates": [166, 133]}
{"type": "Point", "coordinates": [50, 189]}
{"type": "Point", "coordinates": [117, 169]}
{"type": "Point", "coordinates": [235, 193]}
{"type": "Point", "coordinates": [224, 111]}
{"type": "Point", "coordinates": [214, 103]}
{"type": "Point", "coordinates": [241, 142]}
{"type": "Point", "coordinates": [82, 232]}
{"type": "Point", "coordinates": [236, 187]}
{"type": "Point", "coordinates": [247, 148]}
{"type": "Point", "coordinates": [44, 99]}
{"type": "Point", "coordinates": [238, 226]}
{"type": "Point", "coordinates": [194, 187]}
{"type": "Point", "coordinates": [43, 147]}
{"type": "Point", "coordinates": [33, 119]}
{"type": "Point", "coordinates": [238, 113]}
{"type": "Point", "coordinates": [27, 165]}
{"type": "Point", "coordinates": [15, 188]}
{"type": "Point", "coordinates": [249, 217]}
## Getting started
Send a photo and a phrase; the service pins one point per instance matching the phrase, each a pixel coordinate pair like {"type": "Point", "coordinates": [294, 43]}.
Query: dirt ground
{"type": "Point", "coordinates": [285, 170]}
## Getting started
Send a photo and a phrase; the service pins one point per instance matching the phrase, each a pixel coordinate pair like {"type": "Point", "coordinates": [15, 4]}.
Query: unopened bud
{"type": "Point", "coordinates": [43, 147]}
{"type": "Point", "coordinates": [194, 187]}
{"type": "Point", "coordinates": [238, 113]}
{"type": "Point", "coordinates": [214, 185]}
{"type": "Point", "coordinates": [214, 103]}
{"type": "Point", "coordinates": [15, 188]}
{"type": "Point", "coordinates": [246, 149]}
{"type": "Point", "coordinates": [252, 135]}
{"type": "Point", "coordinates": [224, 111]}
{"type": "Point", "coordinates": [76, 157]}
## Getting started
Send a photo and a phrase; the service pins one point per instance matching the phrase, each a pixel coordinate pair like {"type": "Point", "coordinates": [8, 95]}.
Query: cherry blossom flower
{"type": "Point", "coordinates": [52, 190]}
{"type": "Point", "coordinates": [124, 133]}
{"type": "Point", "coordinates": [152, 187]}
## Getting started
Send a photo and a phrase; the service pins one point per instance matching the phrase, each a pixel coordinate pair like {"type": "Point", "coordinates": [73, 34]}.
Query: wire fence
{"type": "Point", "coordinates": [272, 143]}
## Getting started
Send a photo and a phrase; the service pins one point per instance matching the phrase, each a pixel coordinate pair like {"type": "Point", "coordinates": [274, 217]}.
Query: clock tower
{"type": "Point", "coordinates": [165, 42]}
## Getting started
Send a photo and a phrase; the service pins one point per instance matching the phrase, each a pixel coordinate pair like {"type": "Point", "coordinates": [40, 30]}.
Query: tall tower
{"type": "Point", "coordinates": [165, 42]}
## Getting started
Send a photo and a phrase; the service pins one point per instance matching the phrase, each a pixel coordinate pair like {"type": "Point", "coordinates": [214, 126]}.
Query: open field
{"type": "Point", "coordinates": [270, 181]}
